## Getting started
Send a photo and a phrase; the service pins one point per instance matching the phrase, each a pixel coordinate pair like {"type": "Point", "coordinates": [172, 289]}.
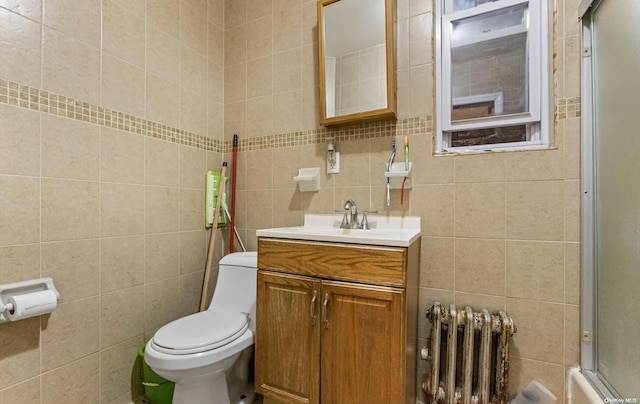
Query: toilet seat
{"type": "Point", "coordinates": [200, 332]}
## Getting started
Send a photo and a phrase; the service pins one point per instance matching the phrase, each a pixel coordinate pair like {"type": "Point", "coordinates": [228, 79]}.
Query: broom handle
{"type": "Point", "coordinates": [212, 239]}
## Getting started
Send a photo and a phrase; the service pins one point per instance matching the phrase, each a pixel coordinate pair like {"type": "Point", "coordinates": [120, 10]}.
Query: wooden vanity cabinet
{"type": "Point", "coordinates": [324, 335]}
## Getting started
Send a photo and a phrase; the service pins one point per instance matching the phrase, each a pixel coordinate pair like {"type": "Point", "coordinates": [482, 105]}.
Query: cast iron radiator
{"type": "Point", "coordinates": [469, 355]}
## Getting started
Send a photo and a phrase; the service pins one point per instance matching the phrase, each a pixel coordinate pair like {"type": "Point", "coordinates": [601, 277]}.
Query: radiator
{"type": "Point", "coordinates": [469, 355]}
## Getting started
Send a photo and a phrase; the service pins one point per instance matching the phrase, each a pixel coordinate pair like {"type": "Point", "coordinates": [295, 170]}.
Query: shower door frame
{"type": "Point", "coordinates": [588, 292]}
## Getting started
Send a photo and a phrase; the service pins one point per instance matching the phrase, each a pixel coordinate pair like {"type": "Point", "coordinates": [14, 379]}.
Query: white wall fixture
{"type": "Point", "coordinates": [27, 299]}
{"type": "Point", "coordinates": [308, 179]}
{"type": "Point", "coordinates": [397, 174]}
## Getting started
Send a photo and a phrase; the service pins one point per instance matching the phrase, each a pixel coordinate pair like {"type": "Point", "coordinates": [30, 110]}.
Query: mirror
{"type": "Point", "coordinates": [356, 61]}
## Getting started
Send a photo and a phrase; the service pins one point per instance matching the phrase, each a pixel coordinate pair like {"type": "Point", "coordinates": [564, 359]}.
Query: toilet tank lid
{"type": "Point", "coordinates": [247, 259]}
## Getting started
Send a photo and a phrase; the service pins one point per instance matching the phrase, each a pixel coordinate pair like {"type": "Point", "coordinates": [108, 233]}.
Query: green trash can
{"type": "Point", "coordinates": [157, 389]}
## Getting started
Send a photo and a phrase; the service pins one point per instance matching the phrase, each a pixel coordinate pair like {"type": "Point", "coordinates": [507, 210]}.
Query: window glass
{"type": "Point", "coordinates": [465, 4]}
{"type": "Point", "coordinates": [489, 56]}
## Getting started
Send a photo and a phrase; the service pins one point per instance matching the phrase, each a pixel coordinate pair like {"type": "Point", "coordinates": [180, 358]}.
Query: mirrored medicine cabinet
{"type": "Point", "coordinates": [357, 66]}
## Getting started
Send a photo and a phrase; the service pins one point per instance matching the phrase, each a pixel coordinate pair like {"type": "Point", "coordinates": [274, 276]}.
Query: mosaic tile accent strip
{"type": "Point", "coordinates": [568, 108]}
{"type": "Point", "coordinates": [24, 96]}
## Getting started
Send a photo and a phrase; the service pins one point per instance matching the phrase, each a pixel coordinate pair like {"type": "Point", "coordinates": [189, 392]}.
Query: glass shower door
{"type": "Point", "coordinates": [616, 99]}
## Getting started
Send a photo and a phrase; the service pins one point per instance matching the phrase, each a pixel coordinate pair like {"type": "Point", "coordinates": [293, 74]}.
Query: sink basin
{"type": "Point", "coordinates": [398, 231]}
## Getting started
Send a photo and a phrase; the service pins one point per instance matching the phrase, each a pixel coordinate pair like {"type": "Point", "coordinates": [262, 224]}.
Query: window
{"type": "Point", "coordinates": [492, 70]}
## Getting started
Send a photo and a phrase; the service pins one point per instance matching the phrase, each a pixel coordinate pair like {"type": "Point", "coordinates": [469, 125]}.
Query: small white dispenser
{"type": "Point", "coordinates": [397, 174]}
{"type": "Point", "coordinates": [308, 179]}
{"type": "Point", "coordinates": [27, 299]}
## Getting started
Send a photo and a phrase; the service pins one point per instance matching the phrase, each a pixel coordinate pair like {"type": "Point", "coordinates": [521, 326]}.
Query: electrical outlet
{"type": "Point", "coordinates": [335, 167]}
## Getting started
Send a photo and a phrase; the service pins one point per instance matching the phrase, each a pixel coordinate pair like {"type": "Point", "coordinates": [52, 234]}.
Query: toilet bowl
{"type": "Point", "coordinates": [207, 354]}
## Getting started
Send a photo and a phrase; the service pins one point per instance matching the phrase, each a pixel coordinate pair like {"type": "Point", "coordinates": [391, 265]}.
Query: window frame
{"type": "Point", "coordinates": [537, 119]}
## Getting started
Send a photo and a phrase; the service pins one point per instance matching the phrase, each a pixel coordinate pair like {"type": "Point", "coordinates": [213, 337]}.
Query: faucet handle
{"type": "Point", "coordinates": [345, 219]}
{"type": "Point", "coordinates": [364, 224]}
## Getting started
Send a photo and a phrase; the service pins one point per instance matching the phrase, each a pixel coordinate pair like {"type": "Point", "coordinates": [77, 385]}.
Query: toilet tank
{"type": "Point", "coordinates": [236, 284]}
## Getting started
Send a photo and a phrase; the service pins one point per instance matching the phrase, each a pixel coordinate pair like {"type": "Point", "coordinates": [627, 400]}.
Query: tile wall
{"type": "Point", "coordinates": [113, 211]}
{"type": "Point", "coordinates": [110, 114]}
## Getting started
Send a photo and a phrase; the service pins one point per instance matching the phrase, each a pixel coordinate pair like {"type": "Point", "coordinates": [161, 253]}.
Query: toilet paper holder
{"type": "Point", "coordinates": [20, 288]}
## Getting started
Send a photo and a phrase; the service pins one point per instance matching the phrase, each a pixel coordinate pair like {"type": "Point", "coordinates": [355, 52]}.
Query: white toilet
{"type": "Point", "coordinates": [207, 354]}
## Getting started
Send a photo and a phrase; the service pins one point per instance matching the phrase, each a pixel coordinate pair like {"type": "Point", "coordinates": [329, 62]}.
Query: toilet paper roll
{"type": "Point", "coordinates": [32, 304]}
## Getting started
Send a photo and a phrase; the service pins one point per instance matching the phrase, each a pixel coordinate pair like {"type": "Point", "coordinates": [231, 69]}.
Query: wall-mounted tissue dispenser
{"type": "Point", "coordinates": [27, 299]}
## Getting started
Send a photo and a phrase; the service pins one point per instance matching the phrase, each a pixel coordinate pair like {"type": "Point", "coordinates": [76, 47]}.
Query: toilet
{"type": "Point", "coordinates": [207, 354]}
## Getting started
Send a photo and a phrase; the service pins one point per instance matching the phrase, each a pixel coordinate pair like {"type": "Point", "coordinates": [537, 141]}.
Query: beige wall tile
{"type": "Point", "coordinates": [259, 116]}
{"type": "Point", "coordinates": [310, 68]}
{"type": "Point", "coordinates": [20, 351]}
{"type": "Point", "coordinates": [193, 163]}
{"type": "Point", "coordinates": [434, 204]}
{"type": "Point", "coordinates": [161, 163]}
{"type": "Point", "coordinates": [287, 70]}
{"type": "Point", "coordinates": [480, 210]}
{"type": "Point", "coordinates": [19, 210]}
{"type": "Point", "coordinates": [257, 9]}
{"type": "Point", "coordinates": [73, 381]}
{"type": "Point", "coordinates": [535, 210]}
{"type": "Point", "coordinates": [20, 47]}
{"type": "Point", "coordinates": [420, 29]}
{"type": "Point", "coordinates": [215, 44]}
{"type": "Point", "coordinates": [287, 112]}
{"type": "Point", "coordinates": [437, 263]}
{"type": "Point", "coordinates": [259, 209]}
{"type": "Point", "coordinates": [162, 101]}
{"type": "Point", "coordinates": [74, 267]}
{"type": "Point", "coordinates": [258, 78]}
{"type": "Point", "coordinates": [215, 120]}
{"type": "Point", "coordinates": [162, 256]}
{"type": "Point", "coordinates": [69, 148]}
{"type": "Point", "coordinates": [122, 86]}
{"type": "Point", "coordinates": [123, 33]}
{"type": "Point", "coordinates": [360, 195]}
{"type": "Point", "coordinates": [478, 302]}
{"type": "Point", "coordinates": [572, 60]}
{"type": "Point", "coordinates": [121, 209]}
{"type": "Point", "coordinates": [235, 119]}
{"type": "Point", "coordinates": [19, 263]}
{"type": "Point", "coordinates": [235, 13]}
{"type": "Point", "coordinates": [480, 266]}
{"type": "Point", "coordinates": [192, 244]}
{"type": "Point", "coordinates": [193, 27]}
{"type": "Point", "coordinates": [69, 209]}
{"type": "Point", "coordinates": [115, 369]}
{"type": "Point", "coordinates": [287, 29]}
{"type": "Point", "coordinates": [572, 210]}
{"type": "Point", "coordinates": [27, 392]}
{"type": "Point", "coordinates": [540, 335]}
{"type": "Point", "coordinates": [571, 136]}
{"type": "Point", "coordinates": [121, 156]}
{"type": "Point", "coordinates": [193, 70]}
{"type": "Point", "coordinates": [165, 15]}
{"type": "Point", "coordinates": [216, 83]}
{"type": "Point", "coordinates": [235, 83]}
{"type": "Point", "coordinates": [317, 202]}
{"type": "Point", "coordinates": [161, 303]}
{"type": "Point", "coordinates": [485, 167]}
{"type": "Point", "coordinates": [259, 38]}
{"type": "Point", "coordinates": [235, 45]}
{"type": "Point", "coordinates": [534, 165]}
{"type": "Point", "coordinates": [136, 7]}
{"type": "Point", "coordinates": [287, 208]}
{"type": "Point", "coordinates": [522, 371]}
{"type": "Point", "coordinates": [57, 347]}
{"type": "Point", "coordinates": [572, 335]}
{"type": "Point", "coordinates": [572, 273]}
{"type": "Point", "coordinates": [190, 291]}
{"type": "Point", "coordinates": [191, 211]}
{"type": "Point", "coordinates": [284, 4]}
{"type": "Point", "coordinates": [31, 9]}
{"type": "Point", "coordinates": [161, 209]}
{"type": "Point", "coordinates": [286, 165]}
{"type": "Point", "coordinates": [535, 270]}
{"type": "Point", "coordinates": [355, 164]}
{"type": "Point", "coordinates": [20, 137]}
{"type": "Point", "coordinates": [310, 108]}
{"type": "Point", "coordinates": [215, 11]}
{"type": "Point", "coordinates": [402, 43]}
{"type": "Point", "coordinates": [421, 90]}
{"type": "Point", "coordinates": [70, 67]}
{"type": "Point", "coordinates": [122, 261]}
{"type": "Point", "coordinates": [193, 111]}
{"type": "Point", "coordinates": [309, 22]}
{"type": "Point", "coordinates": [121, 316]}
{"type": "Point", "coordinates": [428, 169]}
{"type": "Point", "coordinates": [76, 18]}
{"type": "Point", "coordinates": [162, 54]}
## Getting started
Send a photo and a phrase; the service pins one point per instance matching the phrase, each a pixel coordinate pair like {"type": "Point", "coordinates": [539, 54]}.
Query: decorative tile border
{"type": "Point", "coordinates": [24, 96]}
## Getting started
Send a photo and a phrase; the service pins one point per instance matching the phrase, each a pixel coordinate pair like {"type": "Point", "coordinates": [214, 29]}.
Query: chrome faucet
{"type": "Point", "coordinates": [350, 219]}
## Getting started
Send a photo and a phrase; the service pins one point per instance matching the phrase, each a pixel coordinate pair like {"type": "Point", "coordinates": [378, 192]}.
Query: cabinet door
{"type": "Point", "coordinates": [362, 344]}
{"type": "Point", "coordinates": [288, 338]}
